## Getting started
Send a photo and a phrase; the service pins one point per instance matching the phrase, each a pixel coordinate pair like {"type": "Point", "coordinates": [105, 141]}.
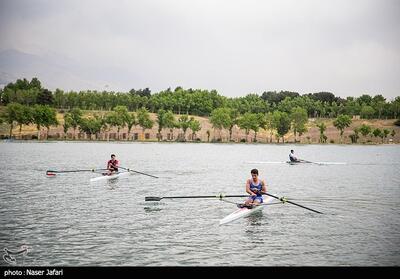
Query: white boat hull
{"type": "Point", "coordinates": [110, 177]}
{"type": "Point", "coordinates": [243, 212]}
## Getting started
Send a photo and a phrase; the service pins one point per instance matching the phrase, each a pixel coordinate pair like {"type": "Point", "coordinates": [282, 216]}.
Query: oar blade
{"type": "Point", "coordinates": [152, 198]}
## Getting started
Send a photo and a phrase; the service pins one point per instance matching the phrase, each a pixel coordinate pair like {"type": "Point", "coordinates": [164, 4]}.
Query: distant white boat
{"type": "Point", "coordinates": [295, 163]}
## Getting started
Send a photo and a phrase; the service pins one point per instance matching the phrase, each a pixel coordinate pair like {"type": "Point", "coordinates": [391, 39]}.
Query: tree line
{"type": "Point", "coordinates": [277, 123]}
{"type": "Point", "coordinates": [201, 102]}
{"type": "Point", "coordinates": [28, 103]}
{"type": "Point", "coordinates": [119, 118]}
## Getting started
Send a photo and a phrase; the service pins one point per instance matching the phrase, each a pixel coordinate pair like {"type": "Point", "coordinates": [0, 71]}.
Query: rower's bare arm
{"type": "Point", "coordinates": [248, 188]}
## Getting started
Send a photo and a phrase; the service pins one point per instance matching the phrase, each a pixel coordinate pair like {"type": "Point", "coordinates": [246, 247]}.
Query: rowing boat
{"type": "Point", "coordinates": [110, 177]}
{"type": "Point", "coordinates": [294, 163]}
{"type": "Point", "coordinates": [317, 163]}
{"type": "Point", "coordinates": [244, 211]}
{"type": "Point", "coordinates": [298, 162]}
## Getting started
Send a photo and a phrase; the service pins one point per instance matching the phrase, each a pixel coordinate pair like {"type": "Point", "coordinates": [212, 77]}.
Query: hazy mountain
{"type": "Point", "coordinates": [54, 71]}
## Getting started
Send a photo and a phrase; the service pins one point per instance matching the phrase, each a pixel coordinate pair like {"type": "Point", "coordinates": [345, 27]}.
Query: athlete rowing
{"type": "Point", "coordinates": [255, 187]}
{"type": "Point", "coordinates": [293, 158]}
{"type": "Point", "coordinates": [112, 165]}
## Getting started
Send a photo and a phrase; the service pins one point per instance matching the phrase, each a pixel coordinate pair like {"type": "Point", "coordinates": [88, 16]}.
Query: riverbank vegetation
{"type": "Point", "coordinates": [194, 115]}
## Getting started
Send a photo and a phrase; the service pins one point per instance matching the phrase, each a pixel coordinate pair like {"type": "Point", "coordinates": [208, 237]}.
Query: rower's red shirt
{"type": "Point", "coordinates": [111, 162]}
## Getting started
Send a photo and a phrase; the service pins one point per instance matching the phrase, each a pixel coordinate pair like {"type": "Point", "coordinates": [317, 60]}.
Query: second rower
{"type": "Point", "coordinates": [112, 165]}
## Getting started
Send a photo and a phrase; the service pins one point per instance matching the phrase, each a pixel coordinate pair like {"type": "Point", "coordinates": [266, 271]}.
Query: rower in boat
{"type": "Point", "coordinates": [255, 187]}
{"type": "Point", "coordinates": [293, 158]}
{"type": "Point", "coordinates": [112, 165]}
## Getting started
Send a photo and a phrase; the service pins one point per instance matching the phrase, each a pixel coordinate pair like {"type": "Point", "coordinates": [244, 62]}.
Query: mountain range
{"type": "Point", "coordinates": [54, 71]}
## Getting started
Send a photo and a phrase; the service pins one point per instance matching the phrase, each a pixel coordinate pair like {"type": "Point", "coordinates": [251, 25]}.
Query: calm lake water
{"type": "Point", "coordinates": [67, 220]}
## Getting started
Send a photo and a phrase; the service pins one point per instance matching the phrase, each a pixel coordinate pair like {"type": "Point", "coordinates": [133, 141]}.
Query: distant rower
{"type": "Point", "coordinates": [292, 157]}
{"type": "Point", "coordinates": [112, 165]}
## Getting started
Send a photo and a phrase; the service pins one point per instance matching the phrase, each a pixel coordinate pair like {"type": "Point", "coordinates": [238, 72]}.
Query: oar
{"type": "Point", "coordinates": [139, 172]}
{"type": "Point", "coordinates": [53, 172]}
{"type": "Point", "coordinates": [219, 196]}
{"type": "Point", "coordinates": [282, 199]}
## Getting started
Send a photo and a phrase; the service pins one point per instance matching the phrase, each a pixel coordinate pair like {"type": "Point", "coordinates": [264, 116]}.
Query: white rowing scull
{"type": "Point", "coordinates": [239, 213]}
{"type": "Point", "coordinates": [110, 177]}
{"type": "Point", "coordinates": [245, 211]}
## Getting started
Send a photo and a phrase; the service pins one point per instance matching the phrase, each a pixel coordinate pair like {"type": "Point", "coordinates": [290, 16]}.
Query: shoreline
{"type": "Point", "coordinates": [5, 141]}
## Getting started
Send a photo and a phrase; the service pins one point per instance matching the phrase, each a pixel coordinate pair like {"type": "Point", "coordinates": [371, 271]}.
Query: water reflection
{"type": "Point", "coordinates": [255, 219]}
{"type": "Point", "coordinates": [113, 184]}
{"type": "Point", "coordinates": [149, 209]}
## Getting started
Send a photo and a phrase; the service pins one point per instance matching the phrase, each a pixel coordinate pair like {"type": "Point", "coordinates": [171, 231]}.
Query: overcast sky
{"type": "Point", "coordinates": [236, 47]}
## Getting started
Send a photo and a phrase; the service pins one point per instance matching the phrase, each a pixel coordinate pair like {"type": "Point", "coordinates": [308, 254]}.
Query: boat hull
{"type": "Point", "coordinates": [244, 212]}
{"type": "Point", "coordinates": [109, 177]}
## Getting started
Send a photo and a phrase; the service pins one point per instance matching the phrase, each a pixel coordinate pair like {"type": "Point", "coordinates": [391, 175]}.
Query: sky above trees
{"type": "Point", "coordinates": [349, 48]}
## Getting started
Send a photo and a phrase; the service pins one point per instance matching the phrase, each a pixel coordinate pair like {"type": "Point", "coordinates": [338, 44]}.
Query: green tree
{"type": "Point", "coordinates": [269, 125]}
{"type": "Point", "coordinates": [130, 122]}
{"type": "Point", "coordinates": [281, 124]}
{"type": "Point", "coordinates": [342, 122]}
{"type": "Point", "coordinates": [322, 128]}
{"type": "Point", "coordinates": [299, 120]}
{"type": "Point", "coordinates": [195, 126]}
{"type": "Point", "coordinates": [67, 123]}
{"type": "Point", "coordinates": [354, 137]}
{"type": "Point", "coordinates": [165, 119]}
{"type": "Point", "coordinates": [76, 116]}
{"type": "Point", "coordinates": [119, 118]}
{"type": "Point", "coordinates": [367, 112]}
{"type": "Point", "coordinates": [90, 126]}
{"type": "Point", "coordinates": [160, 122]}
{"type": "Point", "coordinates": [385, 133]}
{"type": "Point", "coordinates": [59, 99]}
{"type": "Point", "coordinates": [365, 99]}
{"type": "Point", "coordinates": [261, 123]}
{"type": "Point", "coordinates": [10, 115]}
{"type": "Point", "coordinates": [184, 124]}
{"type": "Point", "coordinates": [220, 118]}
{"type": "Point", "coordinates": [144, 120]}
{"type": "Point", "coordinates": [378, 103]}
{"type": "Point", "coordinates": [377, 132]}
{"type": "Point", "coordinates": [169, 122]}
{"type": "Point", "coordinates": [249, 121]}
{"type": "Point", "coordinates": [365, 130]}
{"type": "Point", "coordinates": [45, 97]}
{"type": "Point", "coordinates": [35, 83]}
{"type": "Point", "coordinates": [395, 108]}
{"type": "Point", "coordinates": [234, 116]}
{"type": "Point", "coordinates": [24, 116]}
{"type": "Point", "coordinates": [44, 116]}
